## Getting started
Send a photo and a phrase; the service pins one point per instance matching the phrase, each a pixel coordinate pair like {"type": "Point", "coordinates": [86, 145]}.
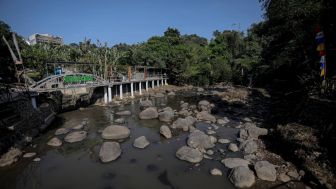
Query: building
{"type": "Point", "coordinates": [45, 38]}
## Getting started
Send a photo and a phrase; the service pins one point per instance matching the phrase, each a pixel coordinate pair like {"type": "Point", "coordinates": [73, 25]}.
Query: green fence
{"type": "Point", "coordinates": [77, 78]}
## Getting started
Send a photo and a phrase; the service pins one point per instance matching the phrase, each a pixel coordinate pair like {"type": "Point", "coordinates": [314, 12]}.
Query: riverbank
{"type": "Point", "coordinates": [304, 125]}
{"type": "Point", "coordinates": [214, 131]}
{"type": "Point", "coordinates": [20, 122]}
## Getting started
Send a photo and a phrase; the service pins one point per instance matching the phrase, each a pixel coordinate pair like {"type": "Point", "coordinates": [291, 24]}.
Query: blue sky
{"type": "Point", "coordinates": [126, 21]}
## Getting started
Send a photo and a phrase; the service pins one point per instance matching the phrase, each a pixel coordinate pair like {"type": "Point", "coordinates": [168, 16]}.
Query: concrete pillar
{"type": "Point", "coordinates": [140, 92]}
{"type": "Point", "coordinates": [162, 82]}
{"type": "Point", "coordinates": [146, 85]}
{"type": "Point", "coordinates": [121, 92]}
{"type": "Point", "coordinates": [158, 83]}
{"type": "Point", "coordinates": [116, 91]}
{"type": "Point", "coordinates": [166, 82]}
{"type": "Point", "coordinates": [33, 101]}
{"type": "Point", "coordinates": [105, 95]}
{"type": "Point", "coordinates": [109, 94]}
{"type": "Point", "coordinates": [132, 93]}
{"type": "Point", "coordinates": [153, 84]}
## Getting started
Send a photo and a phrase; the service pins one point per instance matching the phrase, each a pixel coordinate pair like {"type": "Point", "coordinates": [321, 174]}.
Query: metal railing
{"type": "Point", "coordinates": [118, 79]}
{"type": "Point", "coordinates": [84, 80]}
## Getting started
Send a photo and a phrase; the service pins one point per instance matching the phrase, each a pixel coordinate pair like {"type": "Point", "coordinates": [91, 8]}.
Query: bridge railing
{"type": "Point", "coordinates": [118, 79]}
{"type": "Point", "coordinates": [67, 81]}
{"type": "Point", "coordinates": [80, 80]}
{"type": "Point", "coordinates": [115, 79]}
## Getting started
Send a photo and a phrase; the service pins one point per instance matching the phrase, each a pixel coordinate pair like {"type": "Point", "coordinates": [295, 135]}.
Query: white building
{"type": "Point", "coordinates": [45, 38]}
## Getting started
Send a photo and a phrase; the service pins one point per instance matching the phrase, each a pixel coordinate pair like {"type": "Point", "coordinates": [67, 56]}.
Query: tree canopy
{"type": "Point", "coordinates": [282, 47]}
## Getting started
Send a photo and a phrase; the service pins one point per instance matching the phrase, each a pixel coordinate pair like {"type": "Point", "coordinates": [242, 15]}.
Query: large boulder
{"type": "Point", "coordinates": [248, 146]}
{"type": "Point", "coordinates": [255, 132]}
{"type": "Point", "coordinates": [191, 120]}
{"type": "Point", "coordinates": [124, 113]}
{"type": "Point", "coordinates": [145, 104]}
{"type": "Point", "coordinates": [251, 131]}
{"type": "Point", "coordinates": [223, 121]}
{"type": "Point", "coordinates": [115, 132]}
{"type": "Point", "coordinates": [54, 142]}
{"type": "Point", "coordinates": [247, 119]}
{"type": "Point", "coordinates": [29, 154]}
{"type": "Point", "coordinates": [243, 134]}
{"type": "Point", "coordinates": [167, 115]}
{"type": "Point", "coordinates": [200, 89]}
{"type": "Point", "coordinates": [165, 131]}
{"type": "Point", "coordinates": [149, 113]}
{"type": "Point", "coordinates": [233, 147]}
{"type": "Point", "coordinates": [184, 113]}
{"type": "Point", "coordinates": [223, 141]}
{"type": "Point", "coordinates": [189, 154]}
{"type": "Point", "coordinates": [265, 170]}
{"type": "Point", "coordinates": [62, 131]}
{"type": "Point", "coordinates": [242, 177]}
{"type": "Point", "coordinates": [120, 120]}
{"type": "Point", "coordinates": [294, 174]}
{"type": "Point", "coordinates": [213, 139]}
{"type": "Point", "coordinates": [78, 127]}
{"type": "Point", "coordinates": [216, 172]}
{"type": "Point", "coordinates": [284, 178]}
{"type": "Point", "coordinates": [184, 105]}
{"type": "Point", "coordinates": [109, 151]}
{"type": "Point", "coordinates": [205, 116]}
{"type": "Point", "coordinates": [211, 132]}
{"type": "Point", "coordinates": [198, 139]}
{"type": "Point", "coordinates": [166, 109]}
{"type": "Point", "coordinates": [141, 142]}
{"type": "Point", "coordinates": [10, 157]}
{"type": "Point", "coordinates": [192, 107]}
{"type": "Point", "coordinates": [204, 105]}
{"type": "Point", "coordinates": [181, 123]}
{"type": "Point", "coordinates": [235, 162]}
{"type": "Point", "coordinates": [37, 159]}
{"type": "Point", "coordinates": [75, 136]}
{"type": "Point", "coordinates": [81, 125]}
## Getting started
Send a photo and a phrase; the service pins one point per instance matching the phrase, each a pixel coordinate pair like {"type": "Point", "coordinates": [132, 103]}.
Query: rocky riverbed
{"type": "Point", "coordinates": [172, 137]}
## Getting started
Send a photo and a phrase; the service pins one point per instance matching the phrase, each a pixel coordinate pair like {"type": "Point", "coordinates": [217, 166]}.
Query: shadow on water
{"type": "Point", "coordinates": [152, 168]}
{"type": "Point", "coordinates": [133, 161]}
{"type": "Point", "coordinates": [108, 175]}
{"type": "Point", "coordinates": [163, 178]}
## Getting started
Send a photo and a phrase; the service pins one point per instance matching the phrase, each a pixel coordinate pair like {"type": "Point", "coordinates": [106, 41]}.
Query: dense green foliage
{"type": "Point", "coordinates": [281, 48]}
{"type": "Point", "coordinates": [289, 50]}
{"type": "Point", "coordinates": [188, 59]}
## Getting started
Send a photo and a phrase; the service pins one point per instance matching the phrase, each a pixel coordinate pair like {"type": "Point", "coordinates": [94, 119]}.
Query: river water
{"type": "Point", "coordinates": [77, 165]}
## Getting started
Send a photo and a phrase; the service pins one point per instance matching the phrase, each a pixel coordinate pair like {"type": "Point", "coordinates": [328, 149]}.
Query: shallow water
{"type": "Point", "coordinates": [77, 165]}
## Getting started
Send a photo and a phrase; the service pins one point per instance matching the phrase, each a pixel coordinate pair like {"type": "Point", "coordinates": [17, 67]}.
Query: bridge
{"type": "Point", "coordinates": [67, 81]}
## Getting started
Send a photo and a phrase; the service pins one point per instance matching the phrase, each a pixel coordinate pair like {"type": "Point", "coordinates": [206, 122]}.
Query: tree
{"type": "Point", "coordinates": [289, 30]}
{"type": "Point", "coordinates": [187, 59]}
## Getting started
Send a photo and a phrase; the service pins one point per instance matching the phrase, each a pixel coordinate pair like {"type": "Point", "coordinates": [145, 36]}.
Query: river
{"type": "Point", "coordinates": [77, 165]}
